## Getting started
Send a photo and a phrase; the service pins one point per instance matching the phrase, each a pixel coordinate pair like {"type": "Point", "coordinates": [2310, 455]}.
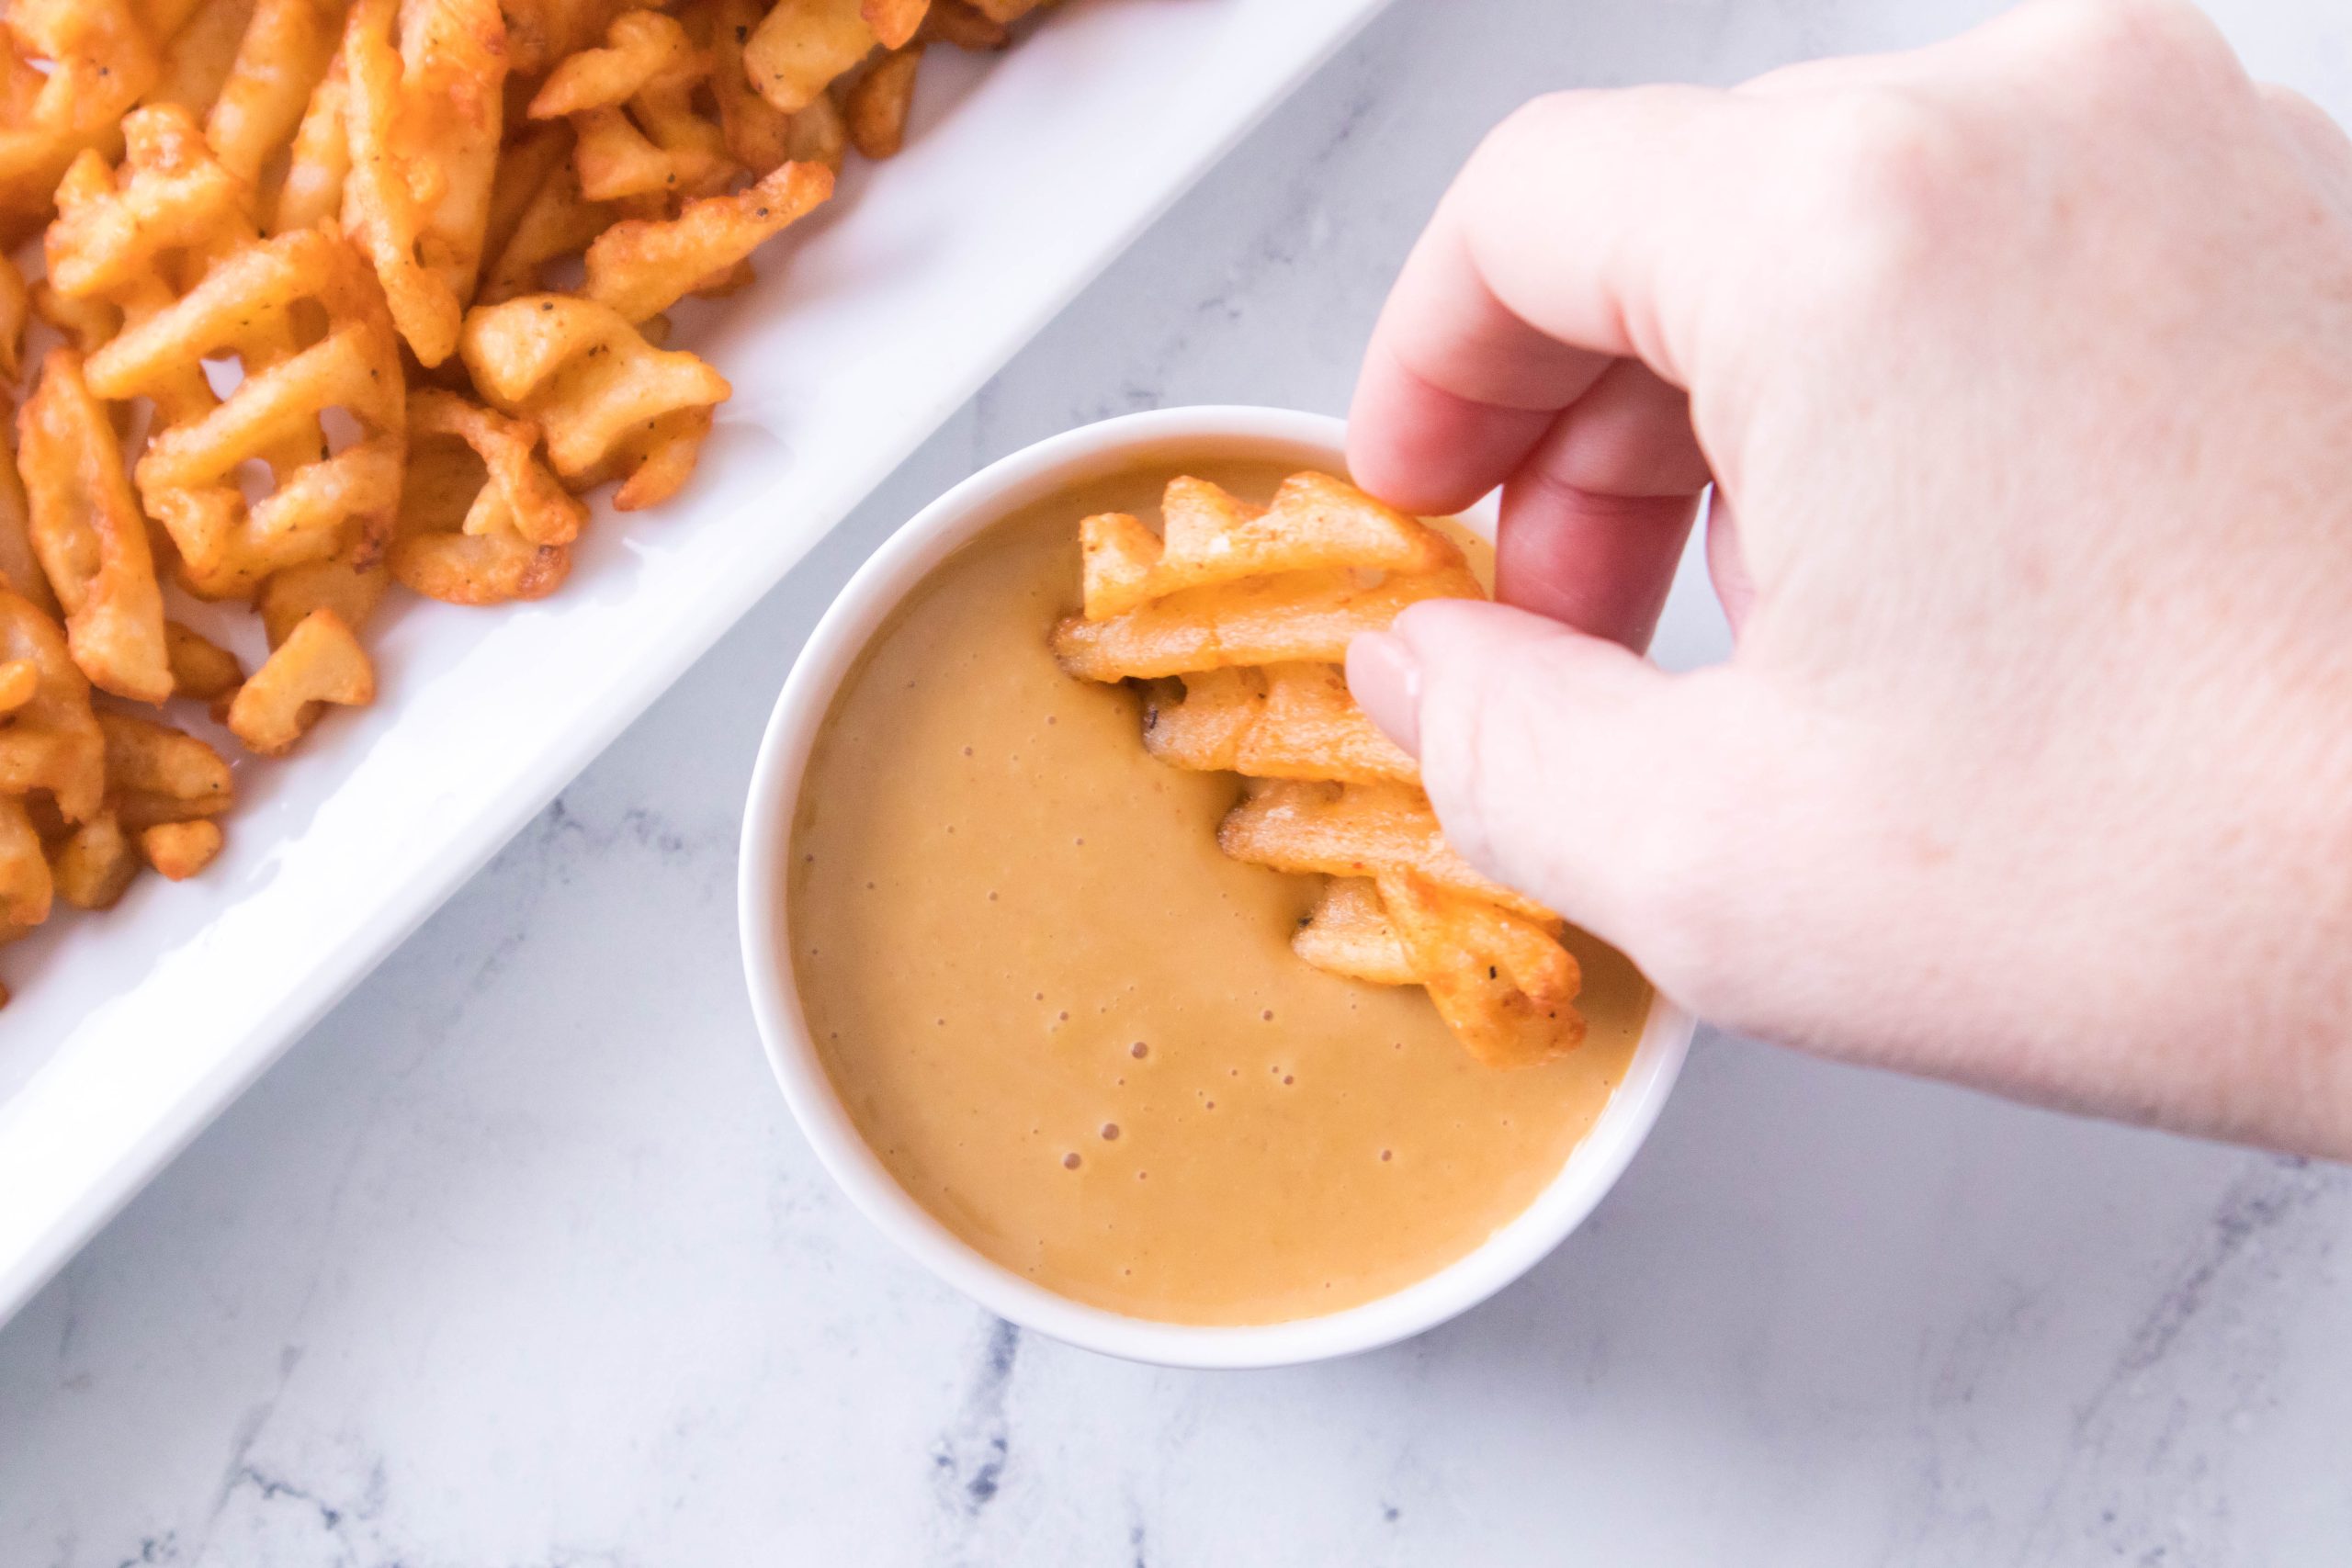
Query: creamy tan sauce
{"type": "Point", "coordinates": [1076, 1033]}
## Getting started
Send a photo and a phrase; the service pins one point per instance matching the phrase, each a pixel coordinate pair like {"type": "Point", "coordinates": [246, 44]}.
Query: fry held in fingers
{"type": "Point", "coordinates": [1237, 615]}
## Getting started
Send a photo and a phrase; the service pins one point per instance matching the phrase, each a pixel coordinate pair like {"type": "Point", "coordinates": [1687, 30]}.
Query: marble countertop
{"type": "Point", "coordinates": [517, 1260]}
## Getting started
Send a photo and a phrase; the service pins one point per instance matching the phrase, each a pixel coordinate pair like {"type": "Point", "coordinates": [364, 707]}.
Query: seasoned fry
{"type": "Point", "coordinates": [422, 121]}
{"type": "Point", "coordinates": [156, 774]}
{"type": "Point", "coordinates": [1316, 523]}
{"type": "Point", "coordinates": [281, 59]}
{"type": "Point", "coordinates": [1251, 609]}
{"type": "Point", "coordinates": [1286, 721]}
{"type": "Point", "coordinates": [641, 268]}
{"type": "Point", "coordinates": [631, 104]}
{"type": "Point", "coordinates": [189, 477]}
{"type": "Point", "coordinates": [319, 662]}
{"type": "Point", "coordinates": [612, 405]}
{"type": "Point", "coordinates": [51, 741]}
{"type": "Point", "coordinates": [200, 668]}
{"type": "Point", "coordinates": [801, 46]}
{"type": "Point", "coordinates": [267, 226]}
{"type": "Point", "coordinates": [320, 160]}
{"type": "Point", "coordinates": [1336, 830]}
{"type": "Point", "coordinates": [93, 864]}
{"type": "Point", "coordinates": [1503, 983]}
{"type": "Point", "coordinates": [1300, 616]}
{"type": "Point", "coordinates": [26, 884]}
{"type": "Point", "coordinates": [133, 237]}
{"type": "Point", "coordinates": [894, 22]}
{"type": "Point", "coordinates": [878, 101]}
{"type": "Point", "coordinates": [482, 522]}
{"type": "Point", "coordinates": [180, 850]}
{"type": "Point", "coordinates": [16, 307]}
{"type": "Point", "coordinates": [98, 59]}
{"type": "Point", "coordinates": [758, 134]}
{"type": "Point", "coordinates": [90, 535]}
{"type": "Point", "coordinates": [20, 566]}
{"type": "Point", "coordinates": [1349, 933]}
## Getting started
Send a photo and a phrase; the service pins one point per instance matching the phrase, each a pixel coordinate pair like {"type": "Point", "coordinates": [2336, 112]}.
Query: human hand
{"type": "Point", "coordinates": [2022, 369]}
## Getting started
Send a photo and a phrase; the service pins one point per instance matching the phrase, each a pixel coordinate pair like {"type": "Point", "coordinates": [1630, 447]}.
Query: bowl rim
{"type": "Point", "coordinates": [841, 635]}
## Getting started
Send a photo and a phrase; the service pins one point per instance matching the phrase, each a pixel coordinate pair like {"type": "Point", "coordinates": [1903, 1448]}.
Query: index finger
{"type": "Point", "coordinates": [1576, 234]}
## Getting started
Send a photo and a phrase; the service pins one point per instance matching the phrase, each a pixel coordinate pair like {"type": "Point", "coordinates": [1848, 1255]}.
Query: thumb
{"type": "Point", "coordinates": [1554, 759]}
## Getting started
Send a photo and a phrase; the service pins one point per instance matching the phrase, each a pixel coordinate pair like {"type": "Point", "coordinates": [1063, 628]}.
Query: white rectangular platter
{"type": "Point", "coordinates": [1025, 175]}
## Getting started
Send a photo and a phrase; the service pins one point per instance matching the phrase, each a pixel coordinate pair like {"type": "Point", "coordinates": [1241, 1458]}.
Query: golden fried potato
{"type": "Point", "coordinates": [758, 135]}
{"type": "Point", "coordinates": [1502, 983]}
{"type": "Point", "coordinates": [51, 741]}
{"type": "Point", "coordinates": [895, 22]}
{"type": "Point", "coordinates": [281, 59]}
{"type": "Point", "coordinates": [200, 668]}
{"type": "Point", "coordinates": [1316, 523]}
{"type": "Point", "coordinates": [1283, 721]}
{"type": "Point", "coordinates": [802, 45]}
{"type": "Point", "coordinates": [818, 134]}
{"type": "Point", "coordinates": [541, 32]}
{"type": "Point", "coordinates": [93, 864]}
{"type": "Point", "coordinates": [482, 522]}
{"type": "Point", "coordinates": [344, 582]}
{"type": "Point", "coordinates": [1356, 831]}
{"type": "Point", "coordinates": [631, 104]}
{"type": "Point", "coordinates": [319, 161]}
{"type": "Point", "coordinates": [877, 103]}
{"type": "Point", "coordinates": [20, 681]}
{"type": "Point", "coordinates": [555, 220]}
{"type": "Point", "coordinates": [424, 121]}
{"type": "Point", "coordinates": [642, 267]}
{"type": "Point", "coordinates": [197, 57]}
{"type": "Point", "coordinates": [1299, 615]}
{"type": "Point", "coordinates": [319, 662]}
{"type": "Point", "coordinates": [25, 884]}
{"type": "Point", "coordinates": [190, 474]}
{"type": "Point", "coordinates": [16, 308]}
{"type": "Point", "coordinates": [156, 774]}
{"type": "Point", "coordinates": [1349, 933]}
{"type": "Point", "coordinates": [180, 850]}
{"type": "Point", "coordinates": [612, 406]}
{"type": "Point", "coordinates": [90, 535]}
{"type": "Point", "coordinates": [97, 57]}
{"type": "Point", "coordinates": [20, 566]}
{"type": "Point", "coordinates": [132, 236]}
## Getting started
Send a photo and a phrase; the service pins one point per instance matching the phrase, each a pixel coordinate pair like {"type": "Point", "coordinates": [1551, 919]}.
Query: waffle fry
{"type": "Point", "coordinates": [482, 522]}
{"type": "Point", "coordinates": [319, 662]}
{"type": "Point", "coordinates": [267, 226]}
{"type": "Point", "coordinates": [1283, 721]}
{"type": "Point", "coordinates": [630, 102]}
{"type": "Point", "coordinates": [189, 476]}
{"type": "Point", "coordinates": [97, 59]}
{"type": "Point", "coordinates": [876, 103]}
{"type": "Point", "coordinates": [1236, 617]}
{"type": "Point", "coordinates": [90, 535]}
{"type": "Point", "coordinates": [49, 741]}
{"type": "Point", "coordinates": [642, 267]}
{"type": "Point", "coordinates": [93, 865]}
{"type": "Point", "coordinates": [423, 122]}
{"type": "Point", "coordinates": [156, 774]}
{"type": "Point", "coordinates": [802, 45]}
{"type": "Point", "coordinates": [611, 404]}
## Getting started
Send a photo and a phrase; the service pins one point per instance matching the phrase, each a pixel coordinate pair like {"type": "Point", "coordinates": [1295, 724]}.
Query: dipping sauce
{"type": "Point", "coordinates": [1075, 1032]}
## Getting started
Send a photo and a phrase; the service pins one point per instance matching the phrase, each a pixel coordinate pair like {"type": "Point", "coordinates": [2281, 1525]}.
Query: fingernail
{"type": "Point", "coordinates": [1386, 679]}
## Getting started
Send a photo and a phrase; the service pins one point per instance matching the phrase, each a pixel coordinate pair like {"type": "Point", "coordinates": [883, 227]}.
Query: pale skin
{"type": "Point", "coordinates": [2021, 371]}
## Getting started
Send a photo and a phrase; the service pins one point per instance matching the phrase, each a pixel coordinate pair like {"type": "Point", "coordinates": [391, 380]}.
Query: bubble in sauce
{"type": "Point", "coordinates": [1070, 1161]}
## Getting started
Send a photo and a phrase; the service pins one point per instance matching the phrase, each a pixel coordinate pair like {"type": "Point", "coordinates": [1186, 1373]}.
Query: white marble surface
{"type": "Point", "coordinates": [516, 1261]}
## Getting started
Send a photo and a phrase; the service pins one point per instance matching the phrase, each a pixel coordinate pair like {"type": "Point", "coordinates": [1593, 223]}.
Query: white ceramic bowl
{"type": "Point", "coordinates": [1001, 489]}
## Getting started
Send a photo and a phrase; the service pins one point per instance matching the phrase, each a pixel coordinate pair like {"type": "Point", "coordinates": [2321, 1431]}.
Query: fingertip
{"type": "Point", "coordinates": [1384, 676]}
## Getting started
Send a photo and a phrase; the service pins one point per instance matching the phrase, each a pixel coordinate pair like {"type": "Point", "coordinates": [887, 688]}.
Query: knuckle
{"type": "Point", "coordinates": [2127, 37]}
{"type": "Point", "coordinates": [1888, 184]}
